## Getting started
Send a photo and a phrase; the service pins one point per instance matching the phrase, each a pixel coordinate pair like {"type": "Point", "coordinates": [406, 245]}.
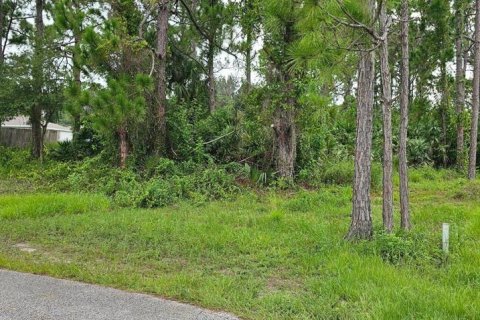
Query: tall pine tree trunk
{"type": "Point", "coordinates": [444, 106]}
{"type": "Point", "coordinates": [286, 136]}
{"type": "Point", "coordinates": [404, 102]}
{"type": "Point", "coordinates": [387, 212]}
{"type": "Point", "coordinates": [37, 73]}
{"type": "Point", "coordinates": [212, 103]}
{"type": "Point", "coordinates": [160, 125]}
{"type": "Point", "coordinates": [248, 48]}
{"type": "Point", "coordinates": [123, 146]}
{"type": "Point", "coordinates": [475, 97]}
{"type": "Point", "coordinates": [284, 117]}
{"type": "Point", "coordinates": [193, 42]}
{"type": "Point", "coordinates": [361, 224]}
{"type": "Point", "coordinates": [78, 82]}
{"type": "Point", "coordinates": [248, 61]}
{"type": "Point", "coordinates": [2, 19]}
{"type": "Point", "coordinates": [460, 81]}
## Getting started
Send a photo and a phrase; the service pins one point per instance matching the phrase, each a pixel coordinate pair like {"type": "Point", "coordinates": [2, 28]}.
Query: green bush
{"type": "Point", "coordinates": [87, 144]}
{"type": "Point", "coordinates": [158, 166]}
{"type": "Point", "coordinates": [14, 161]}
{"type": "Point", "coordinates": [401, 248]}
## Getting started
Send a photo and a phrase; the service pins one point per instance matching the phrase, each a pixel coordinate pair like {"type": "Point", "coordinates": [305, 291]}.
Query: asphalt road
{"type": "Point", "coordinates": [32, 297]}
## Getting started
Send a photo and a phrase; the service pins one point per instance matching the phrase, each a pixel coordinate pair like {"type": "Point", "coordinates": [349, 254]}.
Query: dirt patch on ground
{"type": "Point", "coordinates": [25, 247]}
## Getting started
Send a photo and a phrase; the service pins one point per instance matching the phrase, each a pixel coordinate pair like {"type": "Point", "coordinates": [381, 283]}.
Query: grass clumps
{"type": "Point", "coordinates": [272, 255]}
{"type": "Point", "coordinates": [340, 172]}
{"type": "Point", "coordinates": [44, 205]}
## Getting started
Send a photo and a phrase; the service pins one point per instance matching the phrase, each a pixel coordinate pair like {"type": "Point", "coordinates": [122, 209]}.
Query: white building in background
{"type": "Point", "coordinates": [17, 132]}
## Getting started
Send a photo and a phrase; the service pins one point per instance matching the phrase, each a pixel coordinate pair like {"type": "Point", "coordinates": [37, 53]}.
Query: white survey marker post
{"type": "Point", "coordinates": [445, 236]}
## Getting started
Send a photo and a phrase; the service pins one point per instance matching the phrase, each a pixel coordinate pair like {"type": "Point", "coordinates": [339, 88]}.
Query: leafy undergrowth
{"type": "Point", "coordinates": [266, 256]}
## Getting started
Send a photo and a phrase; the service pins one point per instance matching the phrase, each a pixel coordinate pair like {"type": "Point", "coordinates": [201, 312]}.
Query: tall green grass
{"type": "Point", "coordinates": [43, 205]}
{"type": "Point", "coordinates": [271, 255]}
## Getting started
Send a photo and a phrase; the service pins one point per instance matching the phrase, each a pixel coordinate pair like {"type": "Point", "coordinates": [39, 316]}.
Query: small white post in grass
{"type": "Point", "coordinates": [445, 236]}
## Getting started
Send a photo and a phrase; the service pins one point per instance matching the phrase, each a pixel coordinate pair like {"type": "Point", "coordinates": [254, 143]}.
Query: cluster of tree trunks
{"type": "Point", "coordinates": [361, 224]}
{"type": "Point", "coordinates": [460, 80]}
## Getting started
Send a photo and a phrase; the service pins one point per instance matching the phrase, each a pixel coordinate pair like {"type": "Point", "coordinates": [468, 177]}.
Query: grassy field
{"type": "Point", "coordinates": [261, 256]}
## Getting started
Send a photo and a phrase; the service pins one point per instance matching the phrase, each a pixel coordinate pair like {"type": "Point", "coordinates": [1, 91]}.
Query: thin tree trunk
{"type": "Point", "coordinates": [361, 225]}
{"type": "Point", "coordinates": [193, 42]}
{"type": "Point", "coordinates": [387, 212]}
{"type": "Point", "coordinates": [248, 48]}
{"type": "Point", "coordinates": [78, 82]}
{"type": "Point", "coordinates": [475, 97]}
{"type": "Point", "coordinates": [123, 147]}
{"type": "Point", "coordinates": [36, 123]}
{"type": "Point", "coordinates": [460, 82]}
{"type": "Point", "coordinates": [444, 111]}
{"type": "Point", "coordinates": [347, 88]}
{"type": "Point", "coordinates": [5, 33]}
{"type": "Point", "coordinates": [37, 72]}
{"type": "Point", "coordinates": [248, 61]}
{"type": "Point", "coordinates": [404, 101]}
{"type": "Point", "coordinates": [161, 52]}
{"type": "Point", "coordinates": [2, 19]}
{"type": "Point", "coordinates": [211, 76]}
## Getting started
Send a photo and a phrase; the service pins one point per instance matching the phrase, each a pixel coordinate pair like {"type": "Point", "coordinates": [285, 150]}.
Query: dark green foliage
{"type": "Point", "coordinates": [87, 144]}
{"type": "Point", "coordinates": [406, 248]}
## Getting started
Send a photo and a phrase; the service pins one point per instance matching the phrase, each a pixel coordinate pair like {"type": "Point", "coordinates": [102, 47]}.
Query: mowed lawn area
{"type": "Point", "coordinates": [274, 255]}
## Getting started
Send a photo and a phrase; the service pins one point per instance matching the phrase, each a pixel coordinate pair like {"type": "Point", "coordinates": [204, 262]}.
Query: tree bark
{"type": "Point", "coordinates": [284, 115]}
{"type": "Point", "coordinates": [248, 47]}
{"type": "Point", "coordinates": [161, 53]}
{"type": "Point", "coordinates": [123, 147]}
{"type": "Point", "coordinates": [212, 103]}
{"type": "Point", "coordinates": [404, 102]}
{"type": "Point", "coordinates": [475, 97]}
{"type": "Point", "coordinates": [361, 225]}
{"type": "Point", "coordinates": [460, 81]}
{"type": "Point", "coordinates": [78, 82]}
{"type": "Point", "coordinates": [248, 61]}
{"type": "Point", "coordinates": [387, 212]}
{"type": "Point", "coordinates": [444, 111]}
{"type": "Point", "coordinates": [37, 73]}
{"type": "Point", "coordinates": [286, 140]}
{"type": "Point", "coordinates": [2, 19]}
{"type": "Point", "coordinates": [193, 42]}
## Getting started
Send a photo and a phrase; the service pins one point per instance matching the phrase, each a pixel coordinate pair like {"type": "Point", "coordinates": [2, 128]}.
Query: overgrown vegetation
{"type": "Point", "coordinates": [233, 191]}
{"type": "Point", "coordinates": [158, 182]}
{"type": "Point", "coordinates": [260, 255]}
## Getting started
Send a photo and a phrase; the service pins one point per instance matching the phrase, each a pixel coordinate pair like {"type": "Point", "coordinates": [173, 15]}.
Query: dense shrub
{"type": "Point", "coordinates": [415, 248]}
{"type": "Point", "coordinates": [87, 144]}
{"type": "Point", "coordinates": [161, 182]}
